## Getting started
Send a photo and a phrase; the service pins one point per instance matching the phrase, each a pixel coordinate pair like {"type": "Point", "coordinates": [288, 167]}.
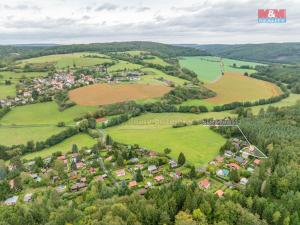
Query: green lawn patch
{"type": "Point", "coordinates": [153, 74]}
{"type": "Point", "coordinates": [122, 65]}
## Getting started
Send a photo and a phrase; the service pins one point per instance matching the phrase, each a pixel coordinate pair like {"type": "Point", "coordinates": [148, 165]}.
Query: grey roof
{"type": "Point", "coordinates": [152, 167]}
{"type": "Point", "coordinates": [12, 200]}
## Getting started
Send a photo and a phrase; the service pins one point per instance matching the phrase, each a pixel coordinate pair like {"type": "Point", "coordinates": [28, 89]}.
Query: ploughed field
{"type": "Point", "coordinates": [102, 94]}
{"type": "Point", "coordinates": [235, 87]}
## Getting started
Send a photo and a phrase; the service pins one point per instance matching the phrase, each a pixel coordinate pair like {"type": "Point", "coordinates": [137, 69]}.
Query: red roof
{"type": "Point", "coordinates": [256, 161]}
{"type": "Point", "coordinates": [62, 157]}
{"type": "Point", "coordinates": [159, 178]}
{"type": "Point", "coordinates": [132, 184]}
{"type": "Point", "coordinates": [204, 183]}
{"type": "Point", "coordinates": [234, 166]}
{"type": "Point", "coordinates": [101, 119]}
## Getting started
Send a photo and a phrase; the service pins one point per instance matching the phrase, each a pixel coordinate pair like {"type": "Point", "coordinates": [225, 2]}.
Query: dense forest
{"type": "Point", "coordinates": [268, 52]}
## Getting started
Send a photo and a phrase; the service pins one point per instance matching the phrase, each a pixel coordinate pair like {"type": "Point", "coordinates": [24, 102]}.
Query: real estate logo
{"type": "Point", "coordinates": [271, 15]}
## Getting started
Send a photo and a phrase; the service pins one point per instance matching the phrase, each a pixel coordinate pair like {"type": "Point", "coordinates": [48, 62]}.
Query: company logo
{"type": "Point", "coordinates": [271, 15]}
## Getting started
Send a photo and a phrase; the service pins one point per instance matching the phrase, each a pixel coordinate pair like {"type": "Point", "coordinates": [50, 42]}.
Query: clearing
{"type": "Point", "coordinates": [235, 87]}
{"type": "Point", "coordinates": [102, 94]}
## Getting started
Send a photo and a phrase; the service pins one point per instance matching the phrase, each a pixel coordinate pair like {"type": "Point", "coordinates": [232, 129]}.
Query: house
{"type": "Point", "coordinates": [109, 158]}
{"type": "Point", "coordinates": [99, 178]}
{"type": "Point", "coordinates": [250, 169]}
{"type": "Point", "coordinates": [132, 184]}
{"type": "Point", "coordinates": [175, 175]}
{"type": "Point", "coordinates": [73, 175]}
{"type": "Point", "coordinates": [78, 186]}
{"type": "Point", "coordinates": [133, 160]}
{"type": "Point", "coordinates": [120, 173]}
{"type": "Point", "coordinates": [152, 153]}
{"type": "Point", "coordinates": [142, 191]}
{"type": "Point", "coordinates": [244, 181]}
{"type": "Point", "coordinates": [245, 155]}
{"type": "Point", "coordinates": [219, 193]}
{"type": "Point", "coordinates": [148, 185]}
{"type": "Point", "coordinates": [92, 170]}
{"type": "Point", "coordinates": [60, 188]}
{"type": "Point", "coordinates": [234, 166]}
{"type": "Point", "coordinates": [228, 154]}
{"type": "Point", "coordinates": [139, 166]}
{"type": "Point", "coordinates": [204, 184]}
{"type": "Point", "coordinates": [152, 169]}
{"type": "Point", "coordinates": [239, 159]}
{"type": "Point", "coordinates": [11, 201]}
{"type": "Point", "coordinates": [159, 178]}
{"type": "Point", "coordinates": [36, 177]}
{"type": "Point", "coordinates": [27, 197]}
{"type": "Point", "coordinates": [173, 163]}
{"type": "Point", "coordinates": [62, 157]}
{"type": "Point", "coordinates": [256, 162]}
{"type": "Point", "coordinates": [219, 159]}
{"type": "Point", "coordinates": [11, 183]}
{"type": "Point", "coordinates": [79, 165]}
{"type": "Point", "coordinates": [83, 179]}
{"type": "Point", "coordinates": [222, 172]}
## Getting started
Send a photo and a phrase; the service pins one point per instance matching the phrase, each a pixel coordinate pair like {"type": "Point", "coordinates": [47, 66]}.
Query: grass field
{"type": "Point", "coordinates": [157, 61]}
{"type": "Point", "coordinates": [198, 102]}
{"type": "Point", "coordinates": [208, 68]}
{"type": "Point", "coordinates": [14, 136]}
{"type": "Point", "coordinates": [7, 90]}
{"type": "Point", "coordinates": [9, 75]}
{"type": "Point", "coordinates": [65, 60]}
{"type": "Point", "coordinates": [102, 94]}
{"type": "Point", "coordinates": [122, 65]}
{"type": "Point", "coordinates": [43, 113]}
{"type": "Point", "coordinates": [153, 74]}
{"type": "Point", "coordinates": [234, 87]}
{"type": "Point", "coordinates": [154, 131]}
{"type": "Point", "coordinates": [82, 140]}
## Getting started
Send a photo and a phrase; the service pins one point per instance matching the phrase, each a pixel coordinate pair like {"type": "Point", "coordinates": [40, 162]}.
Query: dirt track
{"type": "Point", "coordinates": [103, 94]}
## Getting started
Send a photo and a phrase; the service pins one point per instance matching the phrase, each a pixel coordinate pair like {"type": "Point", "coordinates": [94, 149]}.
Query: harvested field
{"type": "Point", "coordinates": [235, 87]}
{"type": "Point", "coordinates": [102, 94]}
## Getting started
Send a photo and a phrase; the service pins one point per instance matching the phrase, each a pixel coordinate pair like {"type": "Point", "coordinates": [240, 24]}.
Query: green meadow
{"type": "Point", "coordinates": [69, 60]}
{"type": "Point", "coordinates": [82, 140]}
{"type": "Point", "coordinates": [9, 75]}
{"type": "Point", "coordinates": [122, 65]}
{"type": "Point", "coordinates": [156, 60]}
{"type": "Point", "coordinates": [7, 90]}
{"type": "Point", "coordinates": [21, 135]}
{"type": "Point", "coordinates": [154, 131]}
{"type": "Point", "coordinates": [153, 74]}
{"type": "Point", "coordinates": [208, 68]}
{"type": "Point", "coordinates": [44, 113]}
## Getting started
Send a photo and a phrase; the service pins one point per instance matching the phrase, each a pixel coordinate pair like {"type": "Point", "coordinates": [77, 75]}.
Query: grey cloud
{"type": "Point", "coordinates": [107, 6]}
{"type": "Point", "coordinates": [21, 7]}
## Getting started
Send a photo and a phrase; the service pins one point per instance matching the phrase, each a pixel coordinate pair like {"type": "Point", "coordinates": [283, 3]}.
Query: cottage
{"type": "Point", "coordinates": [245, 155]}
{"type": "Point", "coordinates": [204, 184]}
{"type": "Point", "coordinates": [152, 153]}
{"type": "Point", "coordinates": [222, 172]}
{"type": "Point", "coordinates": [120, 173]}
{"type": "Point", "coordinates": [256, 162]}
{"type": "Point", "coordinates": [133, 160]}
{"type": "Point", "coordinates": [142, 191]}
{"type": "Point", "coordinates": [99, 178]}
{"type": "Point", "coordinates": [173, 164]}
{"type": "Point", "coordinates": [152, 169]}
{"type": "Point", "coordinates": [148, 185]}
{"type": "Point", "coordinates": [92, 170]}
{"type": "Point", "coordinates": [79, 165]}
{"type": "Point", "coordinates": [60, 188]}
{"type": "Point", "coordinates": [78, 186]}
{"type": "Point", "coordinates": [250, 169]}
{"type": "Point", "coordinates": [244, 181]}
{"type": "Point", "coordinates": [228, 154]}
{"type": "Point", "coordinates": [62, 157]}
{"type": "Point", "coordinates": [132, 184]}
{"type": "Point", "coordinates": [234, 166]}
{"type": "Point", "coordinates": [139, 166]}
{"type": "Point", "coordinates": [159, 178]}
{"type": "Point", "coordinates": [11, 183]}
{"type": "Point", "coordinates": [28, 197]}
{"type": "Point", "coordinates": [11, 201]}
{"type": "Point", "coordinates": [239, 159]}
{"type": "Point", "coordinates": [219, 159]}
{"type": "Point", "coordinates": [219, 193]}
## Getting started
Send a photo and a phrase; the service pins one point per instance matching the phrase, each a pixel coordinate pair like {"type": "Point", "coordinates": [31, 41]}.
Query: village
{"type": "Point", "coordinates": [128, 169]}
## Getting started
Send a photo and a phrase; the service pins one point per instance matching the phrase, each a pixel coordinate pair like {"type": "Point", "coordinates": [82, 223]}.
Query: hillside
{"type": "Point", "coordinates": [268, 52]}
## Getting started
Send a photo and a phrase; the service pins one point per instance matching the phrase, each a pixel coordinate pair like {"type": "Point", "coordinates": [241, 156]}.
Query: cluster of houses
{"type": "Point", "coordinates": [241, 161]}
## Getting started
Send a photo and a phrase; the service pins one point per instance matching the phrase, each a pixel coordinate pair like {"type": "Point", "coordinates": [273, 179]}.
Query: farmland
{"type": "Point", "coordinates": [82, 140]}
{"type": "Point", "coordinates": [101, 94]}
{"type": "Point", "coordinates": [208, 68]}
{"type": "Point", "coordinates": [69, 60]}
{"type": "Point", "coordinates": [43, 114]}
{"type": "Point", "coordinates": [123, 65]}
{"type": "Point", "coordinates": [154, 131]}
{"type": "Point", "coordinates": [7, 90]}
{"type": "Point", "coordinates": [156, 60]}
{"type": "Point", "coordinates": [234, 87]}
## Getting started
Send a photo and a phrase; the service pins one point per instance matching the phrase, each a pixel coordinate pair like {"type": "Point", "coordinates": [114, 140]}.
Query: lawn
{"type": "Point", "coordinates": [156, 60]}
{"type": "Point", "coordinates": [14, 136]}
{"type": "Point", "coordinates": [122, 65]}
{"type": "Point", "coordinates": [153, 74]}
{"type": "Point", "coordinates": [208, 68]}
{"type": "Point", "coordinates": [65, 60]}
{"type": "Point", "coordinates": [154, 131]}
{"type": "Point", "coordinates": [82, 140]}
{"type": "Point", "coordinates": [234, 87]}
{"type": "Point", "coordinates": [9, 75]}
{"type": "Point", "coordinates": [44, 113]}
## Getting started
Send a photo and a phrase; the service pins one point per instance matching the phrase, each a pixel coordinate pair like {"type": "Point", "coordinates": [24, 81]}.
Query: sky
{"type": "Point", "coordinates": [166, 21]}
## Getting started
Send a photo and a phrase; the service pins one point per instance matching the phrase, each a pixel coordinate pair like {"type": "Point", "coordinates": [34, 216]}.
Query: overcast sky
{"type": "Point", "coordinates": [167, 21]}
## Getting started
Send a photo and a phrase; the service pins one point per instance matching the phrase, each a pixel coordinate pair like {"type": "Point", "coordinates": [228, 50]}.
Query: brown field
{"type": "Point", "coordinates": [235, 87]}
{"type": "Point", "coordinates": [103, 94]}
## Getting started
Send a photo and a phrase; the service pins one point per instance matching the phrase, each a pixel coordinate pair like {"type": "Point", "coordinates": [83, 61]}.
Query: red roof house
{"type": "Point", "coordinates": [220, 193]}
{"type": "Point", "coordinates": [132, 184]}
{"type": "Point", "coordinates": [159, 178]}
{"type": "Point", "coordinates": [204, 184]}
{"type": "Point", "coordinates": [234, 166]}
{"type": "Point", "coordinates": [256, 162]}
